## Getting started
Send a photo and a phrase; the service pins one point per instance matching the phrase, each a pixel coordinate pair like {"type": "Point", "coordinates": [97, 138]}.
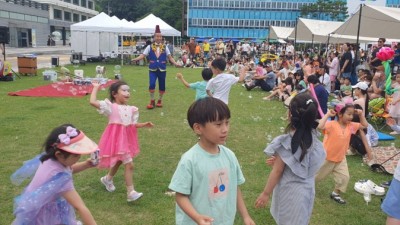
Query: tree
{"type": "Point", "coordinates": [335, 10]}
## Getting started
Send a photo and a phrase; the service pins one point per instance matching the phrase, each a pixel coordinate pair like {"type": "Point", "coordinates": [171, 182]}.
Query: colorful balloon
{"type": "Point", "coordinates": [386, 54]}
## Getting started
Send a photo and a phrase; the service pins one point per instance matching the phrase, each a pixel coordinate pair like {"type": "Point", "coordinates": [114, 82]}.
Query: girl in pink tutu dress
{"type": "Point", "coordinates": [119, 142]}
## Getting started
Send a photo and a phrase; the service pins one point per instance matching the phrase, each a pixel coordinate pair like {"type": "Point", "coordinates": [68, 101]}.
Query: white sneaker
{"type": "Point", "coordinates": [367, 186]}
{"type": "Point", "coordinates": [133, 196]}
{"type": "Point", "coordinates": [108, 184]}
{"type": "Point", "coordinates": [393, 133]}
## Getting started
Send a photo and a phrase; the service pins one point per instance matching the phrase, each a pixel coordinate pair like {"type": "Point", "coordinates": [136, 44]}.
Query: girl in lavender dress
{"type": "Point", "coordinates": [51, 198]}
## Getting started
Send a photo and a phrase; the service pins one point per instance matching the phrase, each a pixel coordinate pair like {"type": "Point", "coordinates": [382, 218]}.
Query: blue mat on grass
{"type": "Point", "coordinates": [385, 137]}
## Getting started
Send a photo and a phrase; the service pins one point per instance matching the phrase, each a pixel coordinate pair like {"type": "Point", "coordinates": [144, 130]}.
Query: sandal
{"type": "Point", "coordinates": [337, 198]}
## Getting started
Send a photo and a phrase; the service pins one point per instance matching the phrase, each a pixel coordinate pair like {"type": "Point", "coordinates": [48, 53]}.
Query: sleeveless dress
{"type": "Point", "coordinates": [119, 141]}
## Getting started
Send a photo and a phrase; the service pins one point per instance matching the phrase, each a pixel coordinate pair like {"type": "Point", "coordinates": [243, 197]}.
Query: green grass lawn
{"type": "Point", "coordinates": [26, 122]}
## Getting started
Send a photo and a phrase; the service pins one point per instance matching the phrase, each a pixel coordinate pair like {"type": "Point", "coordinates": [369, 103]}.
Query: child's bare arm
{"type": "Point", "coordinates": [145, 124]}
{"type": "Point", "coordinates": [80, 166]}
{"type": "Point", "coordinates": [209, 93]}
{"type": "Point", "coordinates": [241, 206]}
{"type": "Point", "coordinates": [76, 201]}
{"type": "Point", "coordinates": [180, 77]}
{"type": "Point", "coordinates": [363, 120]}
{"type": "Point", "coordinates": [322, 121]}
{"type": "Point", "coordinates": [273, 179]}
{"type": "Point", "coordinates": [185, 204]}
{"type": "Point", "coordinates": [93, 96]}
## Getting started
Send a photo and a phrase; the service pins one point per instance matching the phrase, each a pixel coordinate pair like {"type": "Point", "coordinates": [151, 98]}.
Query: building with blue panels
{"type": "Point", "coordinates": [393, 3]}
{"type": "Point", "coordinates": [245, 18]}
{"type": "Point", "coordinates": [239, 18]}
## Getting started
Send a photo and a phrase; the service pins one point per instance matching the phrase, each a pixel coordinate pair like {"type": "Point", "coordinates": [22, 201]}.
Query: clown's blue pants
{"type": "Point", "coordinates": [160, 75]}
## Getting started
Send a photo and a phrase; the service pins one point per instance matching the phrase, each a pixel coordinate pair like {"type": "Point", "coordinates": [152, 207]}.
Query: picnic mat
{"type": "Point", "coordinates": [59, 89]}
{"type": "Point", "coordinates": [383, 153]}
{"type": "Point", "coordinates": [384, 137]}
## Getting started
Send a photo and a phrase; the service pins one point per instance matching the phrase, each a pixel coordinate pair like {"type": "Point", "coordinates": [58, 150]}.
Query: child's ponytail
{"type": "Point", "coordinates": [303, 109]}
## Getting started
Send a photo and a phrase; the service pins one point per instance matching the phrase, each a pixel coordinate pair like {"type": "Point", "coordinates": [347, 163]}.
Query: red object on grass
{"type": "Point", "coordinates": [59, 89]}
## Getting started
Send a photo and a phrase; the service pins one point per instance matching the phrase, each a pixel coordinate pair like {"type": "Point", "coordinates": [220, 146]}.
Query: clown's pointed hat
{"type": "Point", "coordinates": [157, 29]}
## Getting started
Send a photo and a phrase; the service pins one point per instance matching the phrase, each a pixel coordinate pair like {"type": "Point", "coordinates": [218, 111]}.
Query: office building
{"type": "Point", "coordinates": [247, 18]}
{"type": "Point", "coordinates": [31, 22]}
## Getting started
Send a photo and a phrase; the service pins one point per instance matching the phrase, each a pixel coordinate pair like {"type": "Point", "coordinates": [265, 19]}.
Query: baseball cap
{"type": "Point", "coordinates": [268, 65]}
{"type": "Point", "coordinates": [361, 85]}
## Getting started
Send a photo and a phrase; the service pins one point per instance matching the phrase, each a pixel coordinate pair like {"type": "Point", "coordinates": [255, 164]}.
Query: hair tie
{"type": "Point", "coordinates": [309, 101]}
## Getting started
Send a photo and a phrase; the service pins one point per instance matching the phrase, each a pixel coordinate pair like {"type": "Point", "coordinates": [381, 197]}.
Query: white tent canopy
{"type": "Point", "coordinates": [321, 30]}
{"type": "Point", "coordinates": [101, 22]}
{"type": "Point", "coordinates": [314, 30]}
{"type": "Point", "coordinates": [280, 32]}
{"type": "Point", "coordinates": [147, 25]}
{"type": "Point", "coordinates": [95, 35]}
{"type": "Point", "coordinates": [376, 21]}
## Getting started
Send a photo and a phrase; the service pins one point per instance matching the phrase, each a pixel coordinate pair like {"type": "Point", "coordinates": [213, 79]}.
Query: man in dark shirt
{"type": "Point", "coordinates": [374, 60]}
{"type": "Point", "coordinates": [346, 61]}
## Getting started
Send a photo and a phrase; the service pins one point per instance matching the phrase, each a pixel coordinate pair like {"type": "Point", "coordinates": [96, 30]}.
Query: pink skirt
{"type": "Point", "coordinates": [118, 143]}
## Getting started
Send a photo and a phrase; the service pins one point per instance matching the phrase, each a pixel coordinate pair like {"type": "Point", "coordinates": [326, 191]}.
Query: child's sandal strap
{"type": "Point", "coordinates": [338, 199]}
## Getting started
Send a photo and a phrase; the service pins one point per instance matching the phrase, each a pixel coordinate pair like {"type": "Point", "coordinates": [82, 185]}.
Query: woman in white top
{"type": "Point", "coordinates": [361, 96]}
{"type": "Point", "coordinates": [333, 64]}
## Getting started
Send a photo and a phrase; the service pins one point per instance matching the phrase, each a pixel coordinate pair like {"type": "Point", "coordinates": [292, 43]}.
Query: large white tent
{"type": "Point", "coordinates": [100, 33]}
{"type": "Point", "coordinates": [376, 21]}
{"type": "Point", "coordinates": [146, 26]}
{"type": "Point", "coordinates": [322, 31]}
{"type": "Point", "coordinates": [95, 35]}
{"type": "Point", "coordinates": [314, 30]}
{"type": "Point", "coordinates": [280, 32]}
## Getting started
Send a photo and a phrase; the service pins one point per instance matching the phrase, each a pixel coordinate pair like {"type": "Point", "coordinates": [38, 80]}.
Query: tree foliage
{"type": "Point", "coordinates": [335, 10]}
{"type": "Point", "coordinates": [133, 10]}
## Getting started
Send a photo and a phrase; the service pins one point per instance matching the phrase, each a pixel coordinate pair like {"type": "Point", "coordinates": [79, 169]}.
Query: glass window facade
{"type": "Point", "coordinates": [393, 3]}
{"type": "Point", "coordinates": [240, 18]}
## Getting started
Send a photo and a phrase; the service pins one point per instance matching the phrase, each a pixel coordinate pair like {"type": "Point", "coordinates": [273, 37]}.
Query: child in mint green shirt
{"type": "Point", "coordinates": [208, 176]}
{"type": "Point", "coordinates": [199, 86]}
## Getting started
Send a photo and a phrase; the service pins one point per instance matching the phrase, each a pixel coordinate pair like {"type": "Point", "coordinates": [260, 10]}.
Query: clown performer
{"type": "Point", "coordinates": [157, 54]}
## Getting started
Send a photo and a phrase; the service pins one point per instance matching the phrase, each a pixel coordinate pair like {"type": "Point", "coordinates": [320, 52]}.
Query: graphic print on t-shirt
{"type": "Point", "coordinates": [218, 181]}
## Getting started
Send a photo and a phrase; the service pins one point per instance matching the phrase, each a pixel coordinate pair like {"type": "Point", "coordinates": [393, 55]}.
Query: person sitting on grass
{"type": "Point", "coordinates": [199, 86]}
{"type": "Point", "coordinates": [345, 86]}
{"type": "Point", "coordinates": [283, 91]}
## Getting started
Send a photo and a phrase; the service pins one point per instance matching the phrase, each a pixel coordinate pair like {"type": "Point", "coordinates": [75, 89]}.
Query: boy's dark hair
{"type": "Point", "coordinates": [114, 89]}
{"type": "Point", "coordinates": [303, 110]}
{"type": "Point", "coordinates": [219, 63]}
{"type": "Point", "coordinates": [346, 78]}
{"type": "Point", "coordinates": [313, 79]}
{"type": "Point", "coordinates": [50, 145]}
{"type": "Point", "coordinates": [207, 74]}
{"type": "Point", "coordinates": [207, 110]}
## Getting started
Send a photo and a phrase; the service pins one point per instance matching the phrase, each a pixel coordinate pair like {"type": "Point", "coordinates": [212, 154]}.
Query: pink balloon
{"type": "Point", "coordinates": [385, 54]}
